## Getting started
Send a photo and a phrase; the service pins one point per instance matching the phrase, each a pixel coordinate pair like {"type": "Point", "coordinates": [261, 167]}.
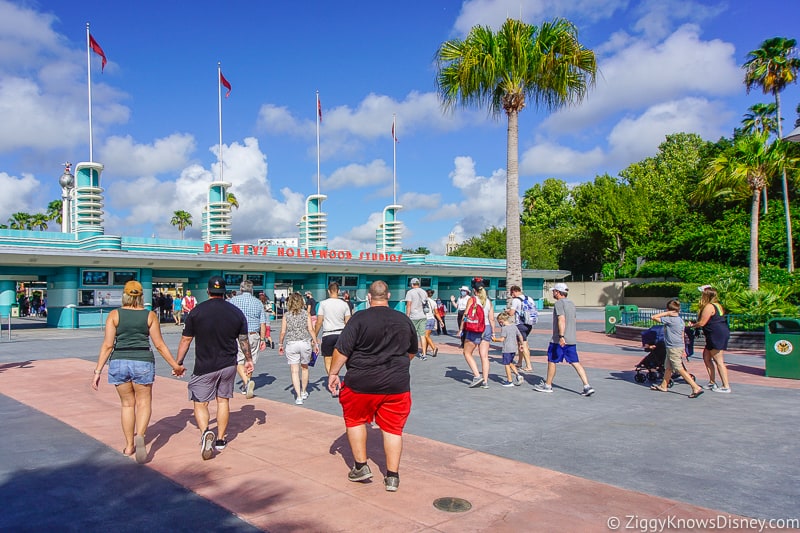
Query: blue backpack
{"type": "Point", "coordinates": [528, 314]}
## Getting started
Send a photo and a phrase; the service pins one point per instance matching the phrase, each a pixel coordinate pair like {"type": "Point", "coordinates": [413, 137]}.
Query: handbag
{"type": "Point", "coordinates": [313, 360]}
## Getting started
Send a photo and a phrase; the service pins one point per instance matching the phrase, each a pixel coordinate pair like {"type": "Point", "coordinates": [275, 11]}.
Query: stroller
{"type": "Point", "coordinates": [651, 368]}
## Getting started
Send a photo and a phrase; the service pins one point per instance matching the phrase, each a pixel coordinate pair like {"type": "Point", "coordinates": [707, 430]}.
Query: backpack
{"type": "Point", "coordinates": [528, 314]}
{"type": "Point", "coordinates": [474, 319]}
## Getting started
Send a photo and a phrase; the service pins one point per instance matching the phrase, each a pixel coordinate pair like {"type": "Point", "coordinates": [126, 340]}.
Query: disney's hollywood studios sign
{"type": "Point", "coordinates": [300, 253]}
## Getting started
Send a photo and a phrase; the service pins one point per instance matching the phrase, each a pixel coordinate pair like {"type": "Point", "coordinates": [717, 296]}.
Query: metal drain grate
{"type": "Point", "coordinates": [452, 505]}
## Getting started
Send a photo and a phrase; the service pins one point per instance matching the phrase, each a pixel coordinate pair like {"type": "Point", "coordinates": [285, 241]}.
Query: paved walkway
{"type": "Point", "coordinates": [524, 460]}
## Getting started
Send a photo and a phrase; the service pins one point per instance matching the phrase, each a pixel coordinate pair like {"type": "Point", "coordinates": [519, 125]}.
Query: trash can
{"type": "Point", "coordinates": [630, 314]}
{"type": "Point", "coordinates": [613, 317]}
{"type": "Point", "coordinates": [782, 347]}
{"type": "Point", "coordinates": [15, 310]}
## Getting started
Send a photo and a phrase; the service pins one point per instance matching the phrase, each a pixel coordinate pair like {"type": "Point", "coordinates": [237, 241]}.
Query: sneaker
{"type": "Point", "coordinates": [243, 388]}
{"type": "Point", "coordinates": [304, 396]}
{"type": "Point", "coordinates": [298, 400]}
{"type": "Point", "coordinates": [506, 383]}
{"type": "Point", "coordinates": [220, 444]}
{"type": "Point", "coordinates": [251, 389]}
{"type": "Point", "coordinates": [391, 483]}
{"type": "Point", "coordinates": [519, 380]}
{"type": "Point", "coordinates": [711, 386]}
{"type": "Point", "coordinates": [477, 381]}
{"type": "Point", "coordinates": [360, 474]}
{"type": "Point", "coordinates": [422, 356]}
{"type": "Point", "coordinates": [723, 390]}
{"type": "Point", "coordinates": [206, 443]}
{"type": "Point", "coordinates": [485, 385]}
{"type": "Point", "coordinates": [543, 387]}
{"type": "Point", "coordinates": [587, 390]}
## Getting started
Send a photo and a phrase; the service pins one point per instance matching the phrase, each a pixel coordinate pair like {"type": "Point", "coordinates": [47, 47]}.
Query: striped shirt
{"type": "Point", "coordinates": [253, 310]}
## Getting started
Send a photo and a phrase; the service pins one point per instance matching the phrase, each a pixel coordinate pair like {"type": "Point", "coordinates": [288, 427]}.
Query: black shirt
{"type": "Point", "coordinates": [310, 301]}
{"type": "Point", "coordinates": [377, 343]}
{"type": "Point", "coordinates": [216, 326]}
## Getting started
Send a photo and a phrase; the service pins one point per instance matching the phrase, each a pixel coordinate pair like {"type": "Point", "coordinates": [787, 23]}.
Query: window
{"type": "Point", "coordinates": [232, 281]}
{"type": "Point", "coordinates": [95, 277]}
{"type": "Point", "coordinates": [257, 279]}
{"type": "Point", "coordinates": [121, 278]}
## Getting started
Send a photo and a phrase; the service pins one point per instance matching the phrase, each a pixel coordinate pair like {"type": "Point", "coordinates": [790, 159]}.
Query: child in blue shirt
{"type": "Point", "coordinates": [511, 338]}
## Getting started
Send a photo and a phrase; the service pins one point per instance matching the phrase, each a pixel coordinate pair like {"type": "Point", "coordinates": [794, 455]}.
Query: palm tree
{"type": "Point", "coordinates": [181, 219]}
{"type": "Point", "coordinates": [54, 211]}
{"type": "Point", "coordinates": [19, 220]}
{"type": "Point", "coordinates": [772, 67]}
{"type": "Point", "coordinates": [742, 172]}
{"type": "Point", "coordinates": [39, 221]}
{"type": "Point", "coordinates": [231, 199]}
{"type": "Point", "coordinates": [761, 118]}
{"type": "Point", "coordinates": [499, 71]}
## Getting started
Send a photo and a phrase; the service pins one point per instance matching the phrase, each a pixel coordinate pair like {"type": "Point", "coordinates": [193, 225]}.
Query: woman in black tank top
{"type": "Point", "coordinates": [711, 317]}
{"type": "Point", "coordinates": [128, 333]}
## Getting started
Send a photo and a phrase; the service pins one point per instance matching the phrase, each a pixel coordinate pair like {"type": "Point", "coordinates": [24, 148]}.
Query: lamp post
{"type": "Point", "coordinates": [67, 182]}
{"type": "Point", "coordinates": [794, 136]}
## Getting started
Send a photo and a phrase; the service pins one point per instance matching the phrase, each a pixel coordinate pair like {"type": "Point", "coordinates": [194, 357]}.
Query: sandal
{"type": "Point", "coordinates": [696, 394]}
{"type": "Point", "coordinates": [141, 450]}
{"type": "Point", "coordinates": [657, 388]}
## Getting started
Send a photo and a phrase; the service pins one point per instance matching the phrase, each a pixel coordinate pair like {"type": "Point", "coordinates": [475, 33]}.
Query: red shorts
{"type": "Point", "coordinates": [390, 411]}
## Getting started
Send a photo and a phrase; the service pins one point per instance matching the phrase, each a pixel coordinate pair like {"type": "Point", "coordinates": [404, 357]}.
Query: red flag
{"type": "Point", "coordinates": [319, 109]}
{"type": "Point", "coordinates": [225, 83]}
{"type": "Point", "coordinates": [97, 50]}
{"type": "Point", "coordinates": [393, 135]}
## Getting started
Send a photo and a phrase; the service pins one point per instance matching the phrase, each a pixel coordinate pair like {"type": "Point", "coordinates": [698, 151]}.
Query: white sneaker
{"type": "Point", "coordinates": [299, 400]}
{"type": "Point", "coordinates": [304, 396]}
{"type": "Point", "coordinates": [723, 390]}
{"type": "Point", "coordinates": [543, 387]}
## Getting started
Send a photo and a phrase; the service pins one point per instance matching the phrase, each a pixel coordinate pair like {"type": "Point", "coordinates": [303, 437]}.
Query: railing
{"type": "Point", "coordinates": [644, 318]}
{"type": "Point", "coordinates": [8, 320]}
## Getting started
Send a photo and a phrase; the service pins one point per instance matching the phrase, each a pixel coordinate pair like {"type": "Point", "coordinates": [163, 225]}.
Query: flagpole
{"type": "Point", "coordinates": [89, 83]}
{"type": "Point", "coordinates": [219, 102]}
{"type": "Point", "coordinates": [394, 153]}
{"type": "Point", "coordinates": [317, 112]}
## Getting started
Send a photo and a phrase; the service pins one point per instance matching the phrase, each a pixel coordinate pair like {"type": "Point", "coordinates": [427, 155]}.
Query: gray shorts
{"type": "Point", "coordinates": [255, 342]}
{"type": "Point", "coordinates": [217, 384]}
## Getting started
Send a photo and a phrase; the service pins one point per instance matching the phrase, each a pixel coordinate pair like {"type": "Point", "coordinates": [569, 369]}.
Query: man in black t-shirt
{"type": "Point", "coordinates": [376, 345]}
{"type": "Point", "coordinates": [218, 326]}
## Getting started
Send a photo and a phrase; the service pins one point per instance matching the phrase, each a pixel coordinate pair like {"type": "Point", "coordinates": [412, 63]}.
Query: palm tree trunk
{"type": "Point", "coordinates": [753, 281]}
{"type": "Point", "coordinates": [513, 254]}
{"type": "Point", "coordinates": [785, 185]}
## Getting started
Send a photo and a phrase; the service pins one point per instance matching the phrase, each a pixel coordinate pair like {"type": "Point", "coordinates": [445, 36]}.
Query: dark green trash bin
{"type": "Point", "coordinates": [630, 314]}
{"type": "Point", "coordinates": [782, 346]}
{"type": "Point", "coordinates": [613, 317]}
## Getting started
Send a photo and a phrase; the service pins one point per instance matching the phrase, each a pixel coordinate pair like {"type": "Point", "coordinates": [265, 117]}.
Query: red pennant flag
{"type": "Point", "coordinates": [99, 51]}
{"type": "Point", "coordinates": [319, 109]}
{"type": "Point", "coordinates": [393, 135]}
{"type": "Point", "coordinates": [225, 83]}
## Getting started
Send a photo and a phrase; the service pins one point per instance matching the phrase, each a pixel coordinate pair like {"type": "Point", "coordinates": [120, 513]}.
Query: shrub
{"type": "Point", "coordinates": [660, 289]}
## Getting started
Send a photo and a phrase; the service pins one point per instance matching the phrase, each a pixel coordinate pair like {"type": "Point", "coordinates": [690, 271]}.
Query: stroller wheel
{"type": "Point", "coordinates": [639, 378]}
{"type": "Point", "coordinates": [671, 383]}
{"type": "Point", "coordinates": [652, 376]}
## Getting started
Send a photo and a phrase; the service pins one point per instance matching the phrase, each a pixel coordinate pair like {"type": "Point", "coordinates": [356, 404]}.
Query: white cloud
{"type": "Point", "coordinates": [18, 194]}
{"type": "Point", "coordinates": [484, 202]}
{"type": "Point", "coordinates": [658, 17]}
{"type": "Point", "coordinates": [552, 159]}
{"type": "Point", "coordinates": [641, 74]}
{"type": "Point", "coordinates": [423, 201]}
{"type": "Point", "coordinates": [355, 175]}
{"type": "Point", "coordinates": [128, 158]}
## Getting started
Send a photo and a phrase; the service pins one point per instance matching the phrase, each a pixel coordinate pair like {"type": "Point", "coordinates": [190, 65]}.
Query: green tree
{"type": "Point", "coordinates": [182, 220]}
{"type": "Point", "coordinates": [761, 118]}
{"type": "Point", "coordinates": [742, 173]}
{"type": "Point", "coordinates": [54, 211]}
{"type": "Point", "coordinates": [500, 71]}
{"type": "Point", "coordinates": [231, 199]}
{"type": "Point", "coordinates": [39, 221]}
{"type": "Point", "coordinates": [19, 220]}
{"type": "Point", "coordinates": [420, 250]}
{"type": "Point", "coordinates": [772, 67]}
{"type": "Point", "coordinates": [535, 248]}
{"type": "Point", "coordinates": [547, 205]}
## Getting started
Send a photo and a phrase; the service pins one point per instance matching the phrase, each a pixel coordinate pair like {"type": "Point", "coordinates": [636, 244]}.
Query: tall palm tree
{"type": "Point", "coordinates": [19, 220]}
{"type": "Point", "coordinates": [39, 221]}
{"type": "Point", "coordinates": [181, 219]}
{"type": "Point", "coordinates": [500, 71]}
{"type": "Point", "coordinates": [231, 199]}
{"type": "Point", "coordinates": [772, 67]}
{"type": "Point", "coordinates": [742, 172]}
{"type": "Point", "coordinates": [761, 118]}
{"type": "Point", "coordinates": [54, 211]}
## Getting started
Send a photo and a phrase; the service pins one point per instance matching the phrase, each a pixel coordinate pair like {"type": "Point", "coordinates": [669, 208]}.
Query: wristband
{"type": "Point", "coordinates": [98, 372]}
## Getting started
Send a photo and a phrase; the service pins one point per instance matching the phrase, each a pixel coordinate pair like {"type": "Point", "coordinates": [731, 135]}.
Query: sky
{"type": "Point", "coordinates": [665, 66]}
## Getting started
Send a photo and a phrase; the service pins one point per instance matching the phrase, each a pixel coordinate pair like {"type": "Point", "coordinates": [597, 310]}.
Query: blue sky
{"type": "Point", "coordinates": [665, 66]}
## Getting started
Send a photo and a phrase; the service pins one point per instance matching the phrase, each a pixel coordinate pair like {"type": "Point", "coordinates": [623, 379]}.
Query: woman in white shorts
{"type": "Point", "coordinates": [296, 343]}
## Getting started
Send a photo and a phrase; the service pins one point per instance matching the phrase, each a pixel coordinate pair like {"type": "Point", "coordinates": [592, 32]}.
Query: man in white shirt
{"type": "Point", "coordinates": [517, 297]}
{"type": "Point", "coordinates": [416, 299]}
{"type": "Point", "coordinates": [332, 315]}
{"type": "Point", "coordinates": [461, 306]}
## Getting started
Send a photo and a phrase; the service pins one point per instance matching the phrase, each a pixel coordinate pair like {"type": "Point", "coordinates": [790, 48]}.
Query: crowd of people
{"type": "Point", "coordinates": [375, 345]}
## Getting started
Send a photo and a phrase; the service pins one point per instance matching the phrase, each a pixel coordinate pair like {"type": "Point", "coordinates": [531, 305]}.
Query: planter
{"type": "Point", "coordinates": [740, 340]}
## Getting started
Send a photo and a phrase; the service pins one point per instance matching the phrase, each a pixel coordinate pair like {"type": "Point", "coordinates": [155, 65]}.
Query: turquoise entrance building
{"type": "Point", "coordinates": [83, 270]}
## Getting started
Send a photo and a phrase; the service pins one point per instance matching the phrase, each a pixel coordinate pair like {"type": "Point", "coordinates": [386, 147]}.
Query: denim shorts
{"type": "Point", "coordinates": [125, 370]}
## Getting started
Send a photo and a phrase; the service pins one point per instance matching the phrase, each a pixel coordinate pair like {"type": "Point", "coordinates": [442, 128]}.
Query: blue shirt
{"type": "Point", "coordinates": [253, 310]}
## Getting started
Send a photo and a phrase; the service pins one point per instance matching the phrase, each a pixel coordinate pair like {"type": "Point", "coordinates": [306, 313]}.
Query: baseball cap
{"type": "Point", "coordinates": [561, 287]}
{"type": "Point", "coordinates": [414, 281]}
{"type": "Point", "coordinates": [702, 288]}
{"type": "Point", "coordinates": [133, 288]}
{"type": "Point", "coordinates": [216, 285]}
{"type": "Point", "coordinates": [464, 288]}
